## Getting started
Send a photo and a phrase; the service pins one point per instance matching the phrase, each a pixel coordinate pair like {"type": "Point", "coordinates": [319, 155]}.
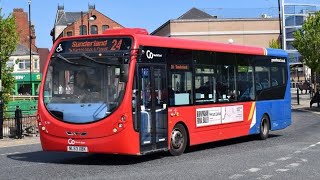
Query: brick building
{"type": "Point", "coordinates": [25, 70]}
{"type": "Point", "coordinates": [198, 25]}
{"type": "Point", "coordinates": [81, 23]}
{"type": "Point", "coordinates": [22, 24]}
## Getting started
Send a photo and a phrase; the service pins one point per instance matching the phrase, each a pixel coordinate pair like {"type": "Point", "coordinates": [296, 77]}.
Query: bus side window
{"type": "Point", "coordinates": [182, 84]}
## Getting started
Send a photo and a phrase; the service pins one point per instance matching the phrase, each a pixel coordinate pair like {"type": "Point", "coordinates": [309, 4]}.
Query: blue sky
{"type": "Point", "coordinates": [129, 13]}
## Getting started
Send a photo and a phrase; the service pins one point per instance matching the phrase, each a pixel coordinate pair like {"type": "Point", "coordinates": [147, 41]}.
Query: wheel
{"type": "Point", "coordinates": [179, 140]}
{"type": "Point", "coordinates": [264, 128]}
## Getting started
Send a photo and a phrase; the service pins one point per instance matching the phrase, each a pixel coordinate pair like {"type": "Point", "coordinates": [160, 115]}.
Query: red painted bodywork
{"type": "Point", "coordinates": [100, 137]}
{"type": "Point", "coordinates": [199, 135]}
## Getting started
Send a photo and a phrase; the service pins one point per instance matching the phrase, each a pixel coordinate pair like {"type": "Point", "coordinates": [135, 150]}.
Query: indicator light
{"type": "Point", "coordinates": [115, 130]}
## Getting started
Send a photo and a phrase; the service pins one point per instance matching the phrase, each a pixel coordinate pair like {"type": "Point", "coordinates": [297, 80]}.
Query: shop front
{"type": "Point", "coordinates": [23, 85]}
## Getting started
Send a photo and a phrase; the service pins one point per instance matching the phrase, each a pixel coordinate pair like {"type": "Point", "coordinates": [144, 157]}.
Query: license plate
{"type": "Point", "coordinates": [77, 148]}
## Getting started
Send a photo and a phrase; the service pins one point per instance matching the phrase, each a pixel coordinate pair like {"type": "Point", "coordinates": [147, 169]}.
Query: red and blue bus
{"type": "Point", "coordinates": [147, 93]}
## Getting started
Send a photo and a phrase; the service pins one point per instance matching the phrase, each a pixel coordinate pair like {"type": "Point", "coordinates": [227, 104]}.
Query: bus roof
{"type": "Point", "coordinates": [276, 52]}
{"type": "Point", "coordinates": [142, 37]}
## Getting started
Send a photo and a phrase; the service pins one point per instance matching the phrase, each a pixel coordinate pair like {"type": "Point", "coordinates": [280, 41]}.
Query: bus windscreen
{"type": "Point", "coordinates": [84, 85]}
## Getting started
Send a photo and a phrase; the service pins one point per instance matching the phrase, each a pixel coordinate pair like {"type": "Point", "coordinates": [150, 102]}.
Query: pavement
{"type": "Point", "coordinates": [304, 102]}
{"type": "Point", "coordinates": [304, 105]}
{"type": "Point", "coordinates": [11, 142]}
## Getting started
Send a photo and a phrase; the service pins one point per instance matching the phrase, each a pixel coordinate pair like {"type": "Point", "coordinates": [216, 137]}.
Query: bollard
{"type": "Point", "coordinates": [1, 115]}
{"type": "Point", "coordinates": [318, 98]}
{"type": "Point", "coordinates": [298, 99]}
{"type": "Point", "coordinates": [18, 121]}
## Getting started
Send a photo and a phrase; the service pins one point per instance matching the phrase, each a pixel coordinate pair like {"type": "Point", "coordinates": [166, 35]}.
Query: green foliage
{"type": "Point", "coordinates": [274, 44]}
{"type": "Point", "coordinates": [8, 43]}
{"type": "Point", "coordinates": [307, 42]}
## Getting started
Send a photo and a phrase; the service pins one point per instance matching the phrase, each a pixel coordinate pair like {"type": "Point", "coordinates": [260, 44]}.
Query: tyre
{"type": "Point", "coordinates": [179, 140]}
{"type": "Point", "coordinates": [264, 128]}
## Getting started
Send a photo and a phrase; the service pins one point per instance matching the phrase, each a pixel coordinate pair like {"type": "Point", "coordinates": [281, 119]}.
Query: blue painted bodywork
{"type": "Point", "coordinates": [279, 111]}
{"type": "Point", "coordinates": [276, 52]}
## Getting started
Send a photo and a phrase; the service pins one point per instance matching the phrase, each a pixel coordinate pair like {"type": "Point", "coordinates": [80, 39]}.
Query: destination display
{"type": "Point", "coordinates": [179, 66]}
{"type": "Point", "coordinates": [94, 45]}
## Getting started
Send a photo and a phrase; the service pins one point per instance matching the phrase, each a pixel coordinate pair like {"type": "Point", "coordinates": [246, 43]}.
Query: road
{"type": "Point", "coordinates": [292, 153]}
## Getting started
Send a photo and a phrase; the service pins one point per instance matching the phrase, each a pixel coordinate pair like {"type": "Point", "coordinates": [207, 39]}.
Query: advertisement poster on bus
{"type": "Point", "coordinates": [219, 115]}
{"type": "Point", "coordinates": [230, 114]}
{"type": "Point", "coordinates": [208, 116]}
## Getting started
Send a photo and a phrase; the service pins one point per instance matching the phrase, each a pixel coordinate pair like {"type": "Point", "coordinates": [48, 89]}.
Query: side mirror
{"type": "Point", "coordinates": [124, 71]}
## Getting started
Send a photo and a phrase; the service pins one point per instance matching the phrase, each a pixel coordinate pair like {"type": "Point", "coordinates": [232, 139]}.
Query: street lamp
{"type": "Point", "coordinates": [88, 23]}
{"type": "Point", "coordinates": [90, 18]}
{"type": "Point", "coordinates": [1, 98]}
{"type": "Point", "coordinates": [30, 41]}
{"type": "Point", "coordinates": [279, 11]}
{"type": "Point", "coordinates": [279, 14]}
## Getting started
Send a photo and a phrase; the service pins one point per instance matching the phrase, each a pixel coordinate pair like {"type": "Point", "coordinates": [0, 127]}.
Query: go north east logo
{"type": "Point", "coordinates": [151, 55]}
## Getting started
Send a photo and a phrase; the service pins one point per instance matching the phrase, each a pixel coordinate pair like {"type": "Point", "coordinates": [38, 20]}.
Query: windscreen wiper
{"type": "Point", "coordinates": [74, 63]}
{"type": "Point", "coordinates": [65, 59]}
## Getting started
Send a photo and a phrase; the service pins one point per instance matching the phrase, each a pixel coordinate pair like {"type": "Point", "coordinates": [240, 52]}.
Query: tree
{"type": "Point", "coordinates": [307, 42]}
{"type": "Point", "coordinates": [8, 43]}
{"type": "Point", "coordinates": [274, 44]}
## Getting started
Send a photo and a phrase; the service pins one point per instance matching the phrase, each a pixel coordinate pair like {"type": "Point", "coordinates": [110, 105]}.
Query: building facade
{"type": "Point", "coordinates": [20, 61]}
{"type": "Point", "coordinates": [198, 25]}
{"type": "Point", "coordinates": [81, 23]}
{"type": "Point", "coordinates": [294, 16]}
{"type": "Point", "coordinates": [23, 66]}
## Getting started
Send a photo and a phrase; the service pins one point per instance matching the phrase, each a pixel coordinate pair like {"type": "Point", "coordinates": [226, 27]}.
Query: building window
{"type": "Point", "coordinates": [289, 32]}
{"type": "Point", "coordinates": [94, 29]}
{"type": "Point", "coordinates": [69, 33]}
{"type": "Point", "coordinates": [10, 63]}
{"type": "Point", "coordinates": [36, 64]}
{"type": "Point", "coordinates": [289, 45]}
{"type": "Point", "coordinates": [24, 64]}
{"type": "Point", "coordinates": [294, 20]}
{"type": "Point", "coordinates": [289, 21]}
{"type": "Point", "coordinates": [83, 30]}
{"type": "Point", "coordinates": [105, 27]}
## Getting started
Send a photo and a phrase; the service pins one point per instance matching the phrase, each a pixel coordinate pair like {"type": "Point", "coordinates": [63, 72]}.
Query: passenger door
{"type": "Point", "coordinates": [152, 106]}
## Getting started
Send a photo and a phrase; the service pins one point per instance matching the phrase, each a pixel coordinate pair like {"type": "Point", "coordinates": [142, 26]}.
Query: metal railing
{"type": "Point", "coordinates": [20, 126]}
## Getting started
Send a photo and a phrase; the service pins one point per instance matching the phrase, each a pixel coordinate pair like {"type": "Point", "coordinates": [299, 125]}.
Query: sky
{"type": "Point", "coordinates": [146, 14]}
